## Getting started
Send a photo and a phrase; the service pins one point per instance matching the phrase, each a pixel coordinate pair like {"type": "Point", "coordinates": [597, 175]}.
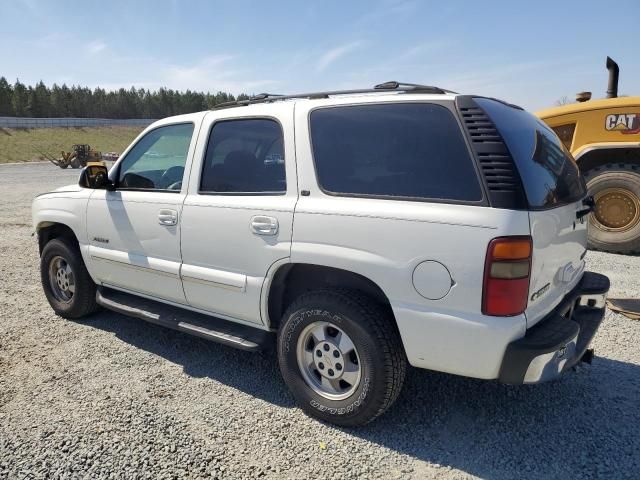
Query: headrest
{"type": "Point", "coordinates": [241, 162]}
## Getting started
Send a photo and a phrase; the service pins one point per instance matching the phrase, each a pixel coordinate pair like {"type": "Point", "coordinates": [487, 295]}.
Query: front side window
{"type": "Point", "coordinates": [399, 150]}
{"type": "Point", "coordinates": [244, 156]}
{"type": "Point", "coordinates": [548, 171]}
{"type": "Point", "coordinates": [157, 161]}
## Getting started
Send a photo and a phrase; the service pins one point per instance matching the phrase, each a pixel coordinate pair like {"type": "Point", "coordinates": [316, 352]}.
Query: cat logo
{"type": "Point", "coordinates": [626, 123]}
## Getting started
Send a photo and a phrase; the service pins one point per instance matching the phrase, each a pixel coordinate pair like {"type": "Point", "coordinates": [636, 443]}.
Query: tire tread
{"type": "Point", "coordinates": [384, 330]}
{"type": "Point", "coordinates": [85, 294]}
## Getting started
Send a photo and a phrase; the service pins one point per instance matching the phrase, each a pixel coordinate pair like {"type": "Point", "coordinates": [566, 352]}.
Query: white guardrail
{"type": "Point", "coordinates": [28, 122]}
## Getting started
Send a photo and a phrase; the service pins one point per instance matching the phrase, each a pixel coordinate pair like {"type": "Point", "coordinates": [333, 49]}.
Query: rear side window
{"type": "Point", "coordinates": [406, 150]}
{"type": "Point", "coordinates": [549, 173]}
{"type": "Point", "coordinates": [244, 156]}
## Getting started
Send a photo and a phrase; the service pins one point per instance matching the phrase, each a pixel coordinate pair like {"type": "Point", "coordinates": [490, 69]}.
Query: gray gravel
{"type": "Point", "coordinates": [114, 397]}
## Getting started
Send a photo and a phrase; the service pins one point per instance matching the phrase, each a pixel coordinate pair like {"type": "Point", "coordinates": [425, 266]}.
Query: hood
{"type": "Point", "coordinates": [74, 187]}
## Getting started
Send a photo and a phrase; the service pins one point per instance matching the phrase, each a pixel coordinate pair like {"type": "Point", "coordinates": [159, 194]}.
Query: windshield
{"type": "Point", "coordinates": [549, 173]}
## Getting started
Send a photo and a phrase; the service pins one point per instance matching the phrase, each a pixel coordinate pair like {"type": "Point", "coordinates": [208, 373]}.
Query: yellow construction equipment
{"type": "Point", "coordinates": [604, 137]}
{"type": "Point", "coordinates": [78, 157]}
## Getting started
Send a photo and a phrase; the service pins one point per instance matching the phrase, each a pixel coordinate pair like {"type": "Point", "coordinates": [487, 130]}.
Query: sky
{"type": "Point", "coordinates": [530, 53]}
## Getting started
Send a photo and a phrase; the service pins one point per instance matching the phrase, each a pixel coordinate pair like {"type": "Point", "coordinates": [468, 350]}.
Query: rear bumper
{"type": "Point", "coordinates": [560, 340]}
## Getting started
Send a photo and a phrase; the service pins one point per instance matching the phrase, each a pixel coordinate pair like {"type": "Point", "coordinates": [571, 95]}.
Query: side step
{"type": "Point", "coordinates": [203, 326]}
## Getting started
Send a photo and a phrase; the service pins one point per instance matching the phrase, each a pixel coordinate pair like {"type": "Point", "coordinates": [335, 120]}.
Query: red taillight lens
{"type": "Point", "coordinates": [506, 276]}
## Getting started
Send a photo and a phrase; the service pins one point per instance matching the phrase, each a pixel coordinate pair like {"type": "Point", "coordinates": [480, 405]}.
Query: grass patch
{"type": "Point", "coordinates": [25, 145]}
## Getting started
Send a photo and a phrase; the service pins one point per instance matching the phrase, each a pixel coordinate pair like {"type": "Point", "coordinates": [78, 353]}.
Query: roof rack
{"type": "Point", "coordinates": [386, 86]}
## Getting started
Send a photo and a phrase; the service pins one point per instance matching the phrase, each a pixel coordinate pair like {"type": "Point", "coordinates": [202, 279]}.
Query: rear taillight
{"type": "Point", "coordinates": [506, 276]}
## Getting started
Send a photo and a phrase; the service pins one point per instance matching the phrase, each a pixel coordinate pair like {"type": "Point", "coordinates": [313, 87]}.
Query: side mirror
{"type": "Point", "coordinates": [96, 177]}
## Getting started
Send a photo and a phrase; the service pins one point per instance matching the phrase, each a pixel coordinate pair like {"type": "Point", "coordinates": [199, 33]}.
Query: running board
{"type": "Point", "coordinates": [197, 324]}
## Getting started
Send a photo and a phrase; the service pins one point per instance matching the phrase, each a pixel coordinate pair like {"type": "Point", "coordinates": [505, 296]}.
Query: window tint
{"type": "Point", "coordinates": [244, 156]}
{"type": "Point", "coordinates": [565, 134]}
{"type": "Point", "coordinates": [548, 171]}
{"type": "Point", "coordinates": [157, 161]}
{"type": "Point", "coordinates": [400, 150]}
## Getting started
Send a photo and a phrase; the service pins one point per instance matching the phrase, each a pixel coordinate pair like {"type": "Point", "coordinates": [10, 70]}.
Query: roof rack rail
{"type": "Point", "coordinates": [410, 87]}
{"type": "Point", "coordinates": [389, 86]}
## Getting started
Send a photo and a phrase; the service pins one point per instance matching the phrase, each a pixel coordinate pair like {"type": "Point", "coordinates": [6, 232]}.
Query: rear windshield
{"type": "Point", "coordinates": [549, 173]}
{"type": "Point", "coordinates": [399, 150]}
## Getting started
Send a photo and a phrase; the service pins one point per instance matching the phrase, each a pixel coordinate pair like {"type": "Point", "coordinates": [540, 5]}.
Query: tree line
{"type": "Point", "coordinates": [41, 101]}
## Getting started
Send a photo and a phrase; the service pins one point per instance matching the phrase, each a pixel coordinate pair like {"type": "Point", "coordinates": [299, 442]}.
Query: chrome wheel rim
{"type": "Point", "coordinates": [61, 279]}
{"type": "Point", "coordinates": [616, 210]}
{"type": "Point", "coordinates": [328, 361]}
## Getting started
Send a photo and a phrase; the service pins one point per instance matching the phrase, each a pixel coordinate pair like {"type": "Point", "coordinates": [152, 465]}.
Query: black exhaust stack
{"type": "Point", "coordinates": [614, 71]}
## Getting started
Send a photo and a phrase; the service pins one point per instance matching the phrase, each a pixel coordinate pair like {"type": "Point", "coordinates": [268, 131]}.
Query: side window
{"type": "Point", "coordinates": [157, 161]}
{"type": "Point", "coordinates": [244, 156]}
{"type": "Point", "coordinates": [548, 171]}
{"type": "Point", "coordinates": [400, 150]}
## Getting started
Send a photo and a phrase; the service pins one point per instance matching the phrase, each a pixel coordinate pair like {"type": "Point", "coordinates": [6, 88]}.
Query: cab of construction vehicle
{"type": "Point", "coordinates": [604, 137]}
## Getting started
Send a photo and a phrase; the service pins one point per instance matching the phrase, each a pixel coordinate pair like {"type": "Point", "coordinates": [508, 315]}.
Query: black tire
{"type": "Point", "coordinates": [83, 298]}
{"type": "Point", "coordinates": [619, 176]}
{"type": "Point", "coordinates": [64, 165]}
{"type": "Point", "coordinates": [75, 163]}
{"type": "Point", "coordinates": [379, 350]}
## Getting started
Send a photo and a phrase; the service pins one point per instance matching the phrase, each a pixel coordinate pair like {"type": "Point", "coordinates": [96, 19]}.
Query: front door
{"type": "Point", "coordinates": [134, 231]}
{"type": "Point", "coordinates": [237, 218]}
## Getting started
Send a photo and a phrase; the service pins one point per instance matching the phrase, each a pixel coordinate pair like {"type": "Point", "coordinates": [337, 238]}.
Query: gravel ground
{"type": "Point", "coordinates": [114, 397]}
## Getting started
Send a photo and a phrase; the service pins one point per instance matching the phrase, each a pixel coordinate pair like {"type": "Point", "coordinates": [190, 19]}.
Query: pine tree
{"type": "Point", "coordinates": [20, 99]}
{"type": "Point", "coordinates": [43, 98]}
{"type": "Point", "coordinates": [77, 101]}
{"type": "Point", "coordinates": [6, 98]}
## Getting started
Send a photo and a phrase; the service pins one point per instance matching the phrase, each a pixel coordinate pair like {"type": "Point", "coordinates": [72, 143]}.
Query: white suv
{"type": "Point", "coordinates": [398, 224]}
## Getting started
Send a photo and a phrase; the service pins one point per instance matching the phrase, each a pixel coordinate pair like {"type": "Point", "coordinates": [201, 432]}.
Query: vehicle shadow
{"type": "Point", "coordinates": [585, 425]}
{"type": "Point", "coordinates": [202, 358]}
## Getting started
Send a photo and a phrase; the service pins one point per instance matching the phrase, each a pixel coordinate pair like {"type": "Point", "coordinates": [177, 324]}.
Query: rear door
{"type": "Point", "coordinates": [237, 218]}
{"type": "Point", "coordinates": [559, 246]}
{"type": "Point", "coordinates": [554, 191]}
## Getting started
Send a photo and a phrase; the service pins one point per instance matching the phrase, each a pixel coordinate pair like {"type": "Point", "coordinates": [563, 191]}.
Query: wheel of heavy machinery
{"type": "Point", "coordinates": [75, 163]}
{"type": "Point", "coordinates": [614, 225]}
{"type": "Point", "coordinates": [64, 165]}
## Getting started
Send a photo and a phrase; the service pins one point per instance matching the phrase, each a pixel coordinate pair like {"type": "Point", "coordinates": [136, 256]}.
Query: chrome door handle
{"type": "Point", "coordinates": [263, 225]}
{"type": "Point", "coordinates": [167, 217]}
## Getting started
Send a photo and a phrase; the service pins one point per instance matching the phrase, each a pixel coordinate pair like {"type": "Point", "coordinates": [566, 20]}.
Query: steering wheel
{"type": "Point", "coordinates": [171, 179]}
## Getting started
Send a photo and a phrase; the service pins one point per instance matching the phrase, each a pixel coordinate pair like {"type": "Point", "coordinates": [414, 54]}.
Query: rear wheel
{"type": "Point", "coordinates": [341, 356]}
{"type": "Point", "coordinates": [614, 225]}
{"type": "Point", "coordinates": [65, 280]}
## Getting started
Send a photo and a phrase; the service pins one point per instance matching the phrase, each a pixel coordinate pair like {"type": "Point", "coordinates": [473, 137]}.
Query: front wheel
{"type": "Point", "coordinates": [614, 225]}
{"type": "Point", "coordinates": [341, 356]}
{"type": "Point", "coordinates": [65, 280]}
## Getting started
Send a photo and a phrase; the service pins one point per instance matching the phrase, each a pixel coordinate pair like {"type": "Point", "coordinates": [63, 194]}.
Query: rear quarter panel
{"type": "Point", "coordinates": [385, 240]}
